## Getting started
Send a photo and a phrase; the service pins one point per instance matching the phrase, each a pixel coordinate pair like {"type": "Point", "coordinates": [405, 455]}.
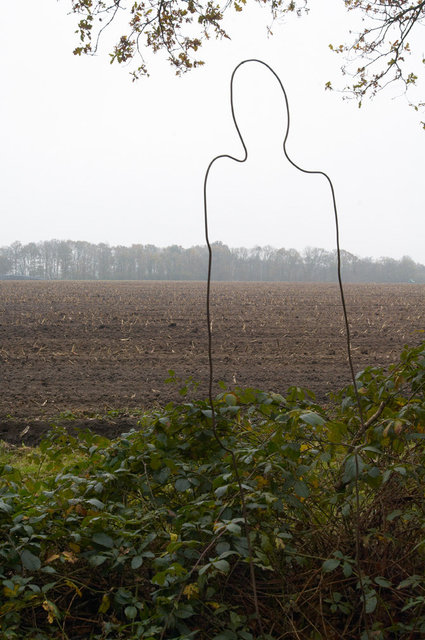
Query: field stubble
{"type": "Point", "coordinates": [93, 347]}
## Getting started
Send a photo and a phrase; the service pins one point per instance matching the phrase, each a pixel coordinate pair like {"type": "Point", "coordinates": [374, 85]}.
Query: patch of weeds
{"type": "Point", "coordinates": [146, 537]}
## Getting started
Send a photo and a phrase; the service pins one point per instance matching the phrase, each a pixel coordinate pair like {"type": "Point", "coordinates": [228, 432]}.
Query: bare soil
{"type": "Point", "coordinates": [92, 348]}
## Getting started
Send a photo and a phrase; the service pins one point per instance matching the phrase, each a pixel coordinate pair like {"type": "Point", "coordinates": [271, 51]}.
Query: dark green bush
{"type": "Point", "coordinates": [145, 536]}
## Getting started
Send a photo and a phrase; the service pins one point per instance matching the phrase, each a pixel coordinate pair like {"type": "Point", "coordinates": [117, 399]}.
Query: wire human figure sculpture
{"type": "Point", "coordinates": [208, 316]}
{"type": "Point", "coordinates": [305, 171]}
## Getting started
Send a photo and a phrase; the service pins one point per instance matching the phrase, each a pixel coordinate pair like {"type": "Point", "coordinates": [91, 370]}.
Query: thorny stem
{"type": "Point", "coordinates": [357, 531]}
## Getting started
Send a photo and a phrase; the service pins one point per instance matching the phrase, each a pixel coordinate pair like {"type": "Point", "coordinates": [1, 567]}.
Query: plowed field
{"type": "Point", "coordinates": [95, 347]}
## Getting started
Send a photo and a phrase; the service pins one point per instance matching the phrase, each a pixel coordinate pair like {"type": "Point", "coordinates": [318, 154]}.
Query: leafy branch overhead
{"type": "Point", "coordinates": [174, 26]}
{"type": "Point", "coordinates": [380, 52]}
{"type": "Point", "coordinates": [376, 56]}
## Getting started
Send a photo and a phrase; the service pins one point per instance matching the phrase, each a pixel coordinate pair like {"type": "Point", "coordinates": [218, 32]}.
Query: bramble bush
{"type": "Point", "coordinates": [145, 536]}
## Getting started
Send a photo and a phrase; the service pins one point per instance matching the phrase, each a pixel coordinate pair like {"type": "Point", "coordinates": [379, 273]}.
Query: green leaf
{"type": "Point", "coordinates": [48, 586]}
{"type": "Point", "coordinates": [386, 476]}
{"type": "Point", "coordinates": [130, 612]}
{"type": "Point", "coordinates": [411, 581]}
{"type": "Point", "coordinates": [353, 467]}
{"type": "Point", "coordinates": [372, 449]}
{"type": "Point", "coordinates": [103, 540]}
{"type": "Point", "coordinates": [160, 578]}
{"type": "Point", "coordinates": [9, 584]}
{"type": "Point", "coordinates": [221, 565]}
{"type": "Point", "coordinates": [220, 491]}
{"type": "Point", "coordinates": [374, 472]}
{"type": "Point", "coordinates": [105, 604]}
{"type": "Point", "coordinates": [6, 508]}
{"type": "Point", "coordinates": [234, 528]}
{"type": "Point", "coordinates": [226, 554]}
{"type": "Point", "coordinates": [371, 602]}
{"type": "Point", "coordinates": [48, 569]}
{"type": "Point", "coordinates": [383, 582]}
{"type": "Point", "coordinates": [96, 561]}
{"type": "Point", "coordinates": [30, 561]}
{"type": "Point", "coordinates": [136, 562]}
{"type": "Point", "coordinates": [330, 564]}
{"type": "Point", "coordinates": [205, 568]}
{"type": "Point", "coordinates": [123, 596]}
{"type": "Point", "coordinates": [336, 431]}
{"type": "Point", "coordinates": [230, 399]}
{"type": "Point", "coordinates": [313, 419]}
{"type": "Point", "coordinates": [394, 514]}
{"type": "Point", "coordinates": [162, 476]}
{"type": "Point", "coordinates": [96, 503]}
{"type": "Point", "coordinates": [184, 611]}
{"type": "Point", "coordinates": [346, 508]}
{"type": "Point", "coordinates": [301, 489]}
{"type": "Point", "coordinates": [400, 470]}
{"type": "Point", "coordinates": [415, 436]}
{"type": "Point", "coordinates": [222, 547]}
{"type": "Point", "coordinates": [226, 635]}
{"type": "Point", "coordinates": [182, 484]}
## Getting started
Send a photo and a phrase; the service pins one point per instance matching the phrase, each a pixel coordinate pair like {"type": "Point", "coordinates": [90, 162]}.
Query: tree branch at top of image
{"type": "Point", "coordinates": [377, 55]}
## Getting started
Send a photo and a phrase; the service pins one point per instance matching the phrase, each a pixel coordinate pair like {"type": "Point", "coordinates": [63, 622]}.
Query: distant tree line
{"type": "Point", "coordinates": [78, 260]}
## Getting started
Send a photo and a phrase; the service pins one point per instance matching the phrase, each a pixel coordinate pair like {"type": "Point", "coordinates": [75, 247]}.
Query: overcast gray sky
{"type": "Point", "coordinates": [88, 155]}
